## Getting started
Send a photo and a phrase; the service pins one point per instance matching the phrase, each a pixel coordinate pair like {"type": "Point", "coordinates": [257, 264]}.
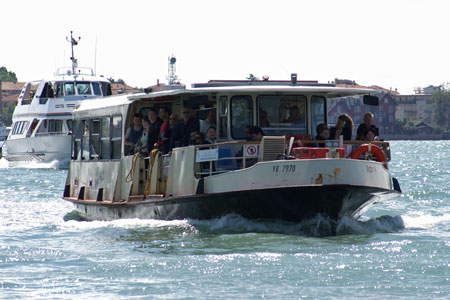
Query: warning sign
{"type": "Point", "coordinates": [251, 150]}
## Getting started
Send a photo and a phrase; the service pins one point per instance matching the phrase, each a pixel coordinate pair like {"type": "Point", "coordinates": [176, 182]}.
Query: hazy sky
{"type": "Point", "coordinates": [399, 44]}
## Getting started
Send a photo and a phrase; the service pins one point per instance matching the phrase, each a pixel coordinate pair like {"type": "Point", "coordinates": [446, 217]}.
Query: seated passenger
{"type": "Point", "coordinates": [134, 133]}
{"type": "Point", "coordinates": [211, 135]}
{"type": "Point", "coordinates": [370, 135]}
{"type": "Point", "coordinates": [256, 133]}
{"type": "Point", "coordinates": [323, 133]}
{"type": "Point", "coordinates": [197, 138]}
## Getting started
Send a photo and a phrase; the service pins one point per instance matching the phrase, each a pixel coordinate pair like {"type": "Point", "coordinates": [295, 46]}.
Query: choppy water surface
{"type": "Point", "coordinates": [399, 249]}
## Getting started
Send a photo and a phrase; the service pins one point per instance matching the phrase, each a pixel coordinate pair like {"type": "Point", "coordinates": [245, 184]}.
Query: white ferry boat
{"type": "Point", "coordinates": [280, 177]}
{"type": "Point", "coordinates": [42, 120]}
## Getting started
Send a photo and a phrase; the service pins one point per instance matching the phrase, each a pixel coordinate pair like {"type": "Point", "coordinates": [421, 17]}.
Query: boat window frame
{"type": "Point", "coordinates": [232, 127]}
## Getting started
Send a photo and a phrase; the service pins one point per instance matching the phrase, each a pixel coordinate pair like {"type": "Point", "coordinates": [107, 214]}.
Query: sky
{"type": "Point", "coordinates": [398, 44]}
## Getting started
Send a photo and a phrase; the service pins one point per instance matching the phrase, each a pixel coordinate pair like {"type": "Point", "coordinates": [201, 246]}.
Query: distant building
{"type": "Point", "coordinates": [122, 88]}
{"type": "Point", "coordinates": [10, 92]}
{"type": "Point", "coordinates": [417, 107]}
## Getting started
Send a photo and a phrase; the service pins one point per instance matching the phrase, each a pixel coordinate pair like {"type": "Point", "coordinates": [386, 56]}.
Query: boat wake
{"type": "Point", "coordinates": [235, 224]}
{"type": "Point", "coordinates": [317, 227]}
{"type": "Point", "coordinates": [34, 164]}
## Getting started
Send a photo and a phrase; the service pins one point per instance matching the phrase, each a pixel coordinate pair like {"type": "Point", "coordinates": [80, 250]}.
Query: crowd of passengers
{"type": "Point", "coordinates": [366, 131]}
{"type": "Point", "coordinates": [164, 132]}
{"type": "Point", "coordinates": [159, 130]}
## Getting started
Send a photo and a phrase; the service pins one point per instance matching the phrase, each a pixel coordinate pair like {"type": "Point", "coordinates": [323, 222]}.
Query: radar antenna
{"type": "Point", "coordinates": [172, 78]}
{"type": "Point", "coordinates": [73, 42]}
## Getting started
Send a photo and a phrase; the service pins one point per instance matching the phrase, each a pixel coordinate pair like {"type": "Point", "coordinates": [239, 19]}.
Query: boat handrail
{"type": "Point", "coordinates": [50, 133]}
{"type": "Point", "coordinates": [79, 71]}
{"type": "Point", "coordinates": [385, 146]}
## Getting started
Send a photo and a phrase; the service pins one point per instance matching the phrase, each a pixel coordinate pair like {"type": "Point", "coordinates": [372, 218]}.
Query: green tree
{"type": "Point", "coordinates": [7, 76]}
{"type": "Point", "coordinates": [7, 113]}
{"type": "Point", "coordinates": [441, 101]}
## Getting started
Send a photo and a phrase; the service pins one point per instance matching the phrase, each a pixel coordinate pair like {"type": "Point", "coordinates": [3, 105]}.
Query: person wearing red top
{"type": "Point", "coordinates": [164, 116]}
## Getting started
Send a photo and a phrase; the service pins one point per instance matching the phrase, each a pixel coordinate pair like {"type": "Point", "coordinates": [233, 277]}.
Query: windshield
{"type": "Point", "coordinates": [281, 114]}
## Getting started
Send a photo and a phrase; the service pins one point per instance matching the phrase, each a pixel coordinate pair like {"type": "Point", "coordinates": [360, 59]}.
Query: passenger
{"type": "Point", "coordinates": [142, 144]}
{"type": "Point", "coordinates": [197, 138]}
{"type": "Point", "coordinates": [345, 123]}
{"type": "Point", "coordinates": [256, 133]}
{"type": "Point", "coordinates": [323, 133]}
{"type": "Point", "coordinates": [369, 135]}
{"type": "Point", "coordinates": [210, 121]}
{"type": "Point", "coordinates": [335, 133]}
{"type": "Point", "coordinates": [134, 133]}
{"type": "Point", "coordinates": [211, 135]}
{"type": "Point", "coordinates": [368, 123]}
{"type": "Point", "coordinates": [263, 122]}
{"type": "Point", "coordinates": [182, 133]}
{"type": "Point", "coordinates": [164, 117]}
{"type": "Point", "coordinates": [295, 116]}
{"type": "Point", "coordinates": [173, 120]}
{"type": "Point", "coordinates": [153, 132]}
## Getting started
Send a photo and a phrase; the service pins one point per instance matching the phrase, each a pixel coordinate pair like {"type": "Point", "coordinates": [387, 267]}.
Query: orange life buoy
{"type": "Point", "coordinates": [379, 154]}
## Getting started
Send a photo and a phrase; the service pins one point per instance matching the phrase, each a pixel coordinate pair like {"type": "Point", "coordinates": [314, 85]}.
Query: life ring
{"type": "Point", "coordinates": [379, 154]}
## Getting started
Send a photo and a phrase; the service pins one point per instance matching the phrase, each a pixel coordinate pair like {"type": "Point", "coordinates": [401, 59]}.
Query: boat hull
{"type": "Point", "coordinates": [43, 149]}
{"type": "Point", "coordinates": [292, 204]}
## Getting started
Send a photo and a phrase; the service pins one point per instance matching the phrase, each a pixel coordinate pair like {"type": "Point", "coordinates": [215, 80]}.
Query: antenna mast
{"type": "Point", "coordinates": [172, 77]}
{"type": "Point", "coordinates": [73, 42]}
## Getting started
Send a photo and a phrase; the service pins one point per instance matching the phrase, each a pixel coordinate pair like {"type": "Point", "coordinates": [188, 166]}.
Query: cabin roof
{"type": "Point", "coordinates": [327, 91]}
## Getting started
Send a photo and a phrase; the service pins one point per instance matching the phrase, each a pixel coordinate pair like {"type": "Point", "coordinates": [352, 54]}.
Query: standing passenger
{"type": "Point", "coordinates": [153, 132]}
{"type": "Point", "coordinates": [181, 135]}
{"type": "Point", "coordinates": [134, 133]}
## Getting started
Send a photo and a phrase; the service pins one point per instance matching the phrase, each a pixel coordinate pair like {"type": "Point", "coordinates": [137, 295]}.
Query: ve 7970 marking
{"type": "Point", "coordinates": [283, 169]}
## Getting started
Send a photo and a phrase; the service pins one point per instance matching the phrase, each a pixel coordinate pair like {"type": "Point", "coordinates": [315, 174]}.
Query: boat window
{"type": "Point", "coordinates": [14, 128]}
{"type": "Point", "coordinates": [106, 89]}
{"type": "Point", "coordinates": [116, 137]}
{"type": "Point", "coordinates": [84, 88]}
{"type": "Point", "coordinates": [28, 92]}
{"type": "Point", "coordinates": [105, 138]}
{"type": "Point", "coordinates": [318, 113]}
{"type": "Point", "coordinates": [55, 126]}
{"type": "Point", "coordinates": [282, 114]}
{"type": "Point", "coordinates": [96, 89]}
{"type": "Point", "coordinates": [47, 92]}
{"type": "Point", "coordinates": [32, 127]}
{"type": "Point", "coordinates": [223, 117]}
{"type": "Point", "coordinates": [20, 127]}
{"type": "Point", "coordinates": [95, 138]}
{"type": "Point", "coordinates": [69, 89]}
{"type": "Point", "coordinates": [69, 126]}
{"type": "Point", "coordinates": [59, 89]}
{"type": "Point", "coordinates": [77, 137]}
{"type": "Point", "coordinates": [241, 115]}
{"type": "Point", "coordinates": [85, 141]}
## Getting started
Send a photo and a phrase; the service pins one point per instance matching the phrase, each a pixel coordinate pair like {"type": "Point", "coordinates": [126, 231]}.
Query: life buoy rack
{"type": "Point", "coordinates": [377, 151]}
